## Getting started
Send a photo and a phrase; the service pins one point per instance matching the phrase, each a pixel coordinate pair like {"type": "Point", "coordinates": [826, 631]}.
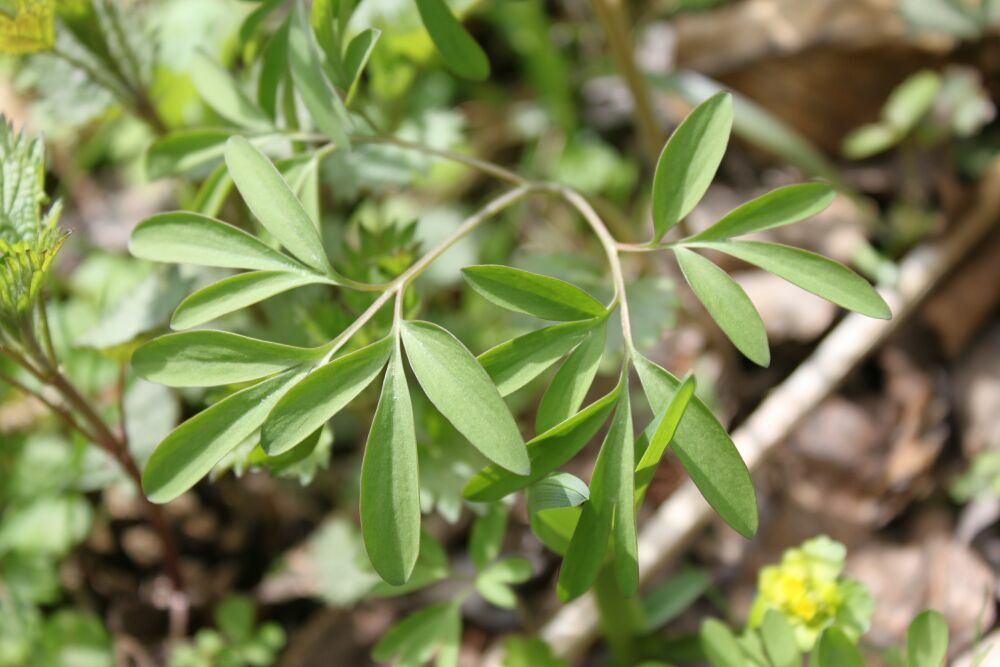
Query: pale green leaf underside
{"type": "Point", "coordinates": [813, 273]}
{"type": "Point", "coordinates": [571, 382]}
{"type": "Point", "coordinates": [462, 391]}
{"type": "Point", "coordinates": [273, 203]}
{"type": "Point", "coordinates": [728, 305]}
{"type": "Point", "coordinates": [457, 48]}
{"type": "Point", "coordinates": [190, 238]}
{"type": "Point", "coordinates": [533, 294]}
{"type": "Point", "coordinates": [775, 209]}
{"type": "Point", "coordinates": [234, 293]}
{"type": "Point", "coordinates": [706, 451]}
{"type": "Point", "coordinates": [517, 362]}
{"type": "Point", "coordinates": [321, 395]}
{"type": "Point", "coordinates": [390, 493]}
{"type": "Point", "coordinates": [194, 447]}
{"type": "Point", "coordinates": [689, 161]}
{"type": "Point", "coordinates": [212, 358]}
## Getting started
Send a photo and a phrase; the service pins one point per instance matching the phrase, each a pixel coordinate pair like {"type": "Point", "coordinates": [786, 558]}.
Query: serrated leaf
{"type": "Point", "coordinates": [689, 161]}
{"type": "Point", "coordinates": [557, 491]}
{"type": "Point", "coordinates": [486, 535]}
{"type": "Point", "coordinates": [193, 448]}
{"type": "Point", "coordinates": [728, 305]}
{"type": "Point", "coordinates": [610, 510]}
{"type": "Point", "coordinates": [813, 273]}
{"type": "Point", "coordinates": [458, 49]}
{"type": "Point", "coordinates": [719, 645]}
{"type": "Point", "coordinates": [221, 92]}
{"type": "Point", "coordinates": [775, 209]}
{"type": "Point", "coordinates": [273, 203]}
{"type": "Point", "coordinates": [390, 492]}
{"type": "Point", "coordinates": [462, 391]}
{"type": "Point", "coordinates": [927, 640]}
{"type": "Point", "coordinates": [779, 640]}
{"type": "Point", "coordinates": [705, 450]}
{"type": "Point", "coordinates": [320, 395]}
{"type": "Point", "coordinates": [517, 362]}
{"type": "Point", "coordinates": [835, 649]}
{"type": "Point", "coordinates": [312, 84]}
{"type": "Point", "coordinates": [212, 358]}
{"type": "Point", "coordinates": [189, 238]}
{"type": "Point", "coordinates": [569, 387]}
{"type": "Point", "coordinates": [546, 452]}
{"type": "Point", "coordinates": [533, 294]}
{"type": "Point", "coordinates": [234, 293]}
{"type": "Point", "coordinates": [666, 427]}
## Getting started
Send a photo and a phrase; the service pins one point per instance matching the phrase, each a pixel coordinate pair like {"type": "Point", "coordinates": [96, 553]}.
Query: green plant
{"type": "Point", "coordinates": [307, 109]}
{"type": "Point", "coordinates": [236, 642]}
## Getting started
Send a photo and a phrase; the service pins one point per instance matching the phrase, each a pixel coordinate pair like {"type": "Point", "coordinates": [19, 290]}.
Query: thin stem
{"type": "Point", "coordinates": [482, 165]}
{"type": "Point", "coordinates": [58, 410]}
{"type": "Point", "coordinates": [611, 15]}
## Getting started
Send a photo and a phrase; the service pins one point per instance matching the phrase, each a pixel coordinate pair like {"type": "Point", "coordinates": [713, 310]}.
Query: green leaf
{"type": "Point", "coordinates": [193, 448]}
{"type": "Point", "coordinates": [273, 203]}
{"type": "Point", "coordinates": [719, 645]}
{"type": "Point", "coordinates": [835, 649]}
{"type": "Point", "coordinates": [911, 100]}
{"type": "Point", "coordinates": [571, 383]}
{"type": "Point", "coordinates": [927, 640]}
{"type": "Point", "coordinates": [462, 391]}
{"type": "Point", "coordinates": [666, 428]}
{"type": "Point", "coordinates": [556, 491]}
{"type": "Point", "coordinates": [517, 362]}
{"type": "Point", "coordinates": [234, 293]}
{"type": "Point", "coordinates": [273, 67]}
{"type": "Point", "coordinates": [218, 88]}
{"type": "Point", "coordinates": [610, 506]}
{"type": "Point", "coordinates": [211, 358]}
{"type": "Point", "coordinates": [533, 294]}
{"type": "Point", "coordinates": [486, 536]}
{"type": "Point", "coordinates": [320, 395]}
{"type": "Point", "coordinates": [775, 209]}
{"type": "Point", "coordinates": [813, 273]}
{"type": "Point", "coordinates": [460, 52]}
{"type": "Point", "coordinates": [529, 652]}
{"type": "Point", "coordinates": [414, 640]}
{"type": "Point", "coordinates": [390, 492]}
{"type": "Point", "coordinates": [546, 452]}
{"type": "Point", "coordinates": [555, 527]}
{"type": "Point", "coordinates": [705, 450]}
{"type": "Point", "coordinates": [494, 582]}
{"type": "Point", "coordinates": [185, 149]}
{"type": "Point", "coordinates": [189, 238]}
{"type": "Point", "coordinates": [213, 192]}
{"type": "Point", "coordinates": [689, 161]}
{"type": "Point", "coordinates": [313, 85]}
{"type": "Point", "coordinates": [727, 303]}
{"type": "Point", "coordinates": [671, 598]}
{"type": "Point", "coordinates": [779, 640]}
{"type": "Point", "coordinates": [357, 55]}
{"type": "Point", "coordinates": [869, 140]}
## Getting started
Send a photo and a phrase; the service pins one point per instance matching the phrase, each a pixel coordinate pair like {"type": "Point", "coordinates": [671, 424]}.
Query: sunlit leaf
{"type": "Point", "coordinates": [727, 303]}
{"type": "Point", "coordinates": [321, 395]}
{"type": "Point", "coordinates": [558, 490]}
{"type": "Point", "coordinates": [210, 358]}
{"type": "Point", "coordinates": [689, 161]}
{"type": "Point", "coordinates": [813, 273]}
{"type": "Point", "coordinates": [927, 640]}
{"type": "Point", "coordinates": [218, 88]}
{"type": "Point", "coordinates": [462, 391]}
{"type": "Point", "coordinates": [779, 640]}
{"type": "Point", "coordinates": [313, 85]}
{"type": "Point", "coordinates": [666, 427]}
{"type": "Point", "coordinates": [705, 450]}
{"type": "Point", "coordinates": [531, 293]}
{"type": "Point", "coordinates": [778, 207]}
{"type": "Point", "coordinates": [390, 492]}
{"type": "Point", "coordinates": [234, 293]}
{"type": "Point", "coordinates": [720, 645]}
{"type": "Point", "coordinates": [835, 649]}
{"type": "Point", "coordinates": [569, 387]}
